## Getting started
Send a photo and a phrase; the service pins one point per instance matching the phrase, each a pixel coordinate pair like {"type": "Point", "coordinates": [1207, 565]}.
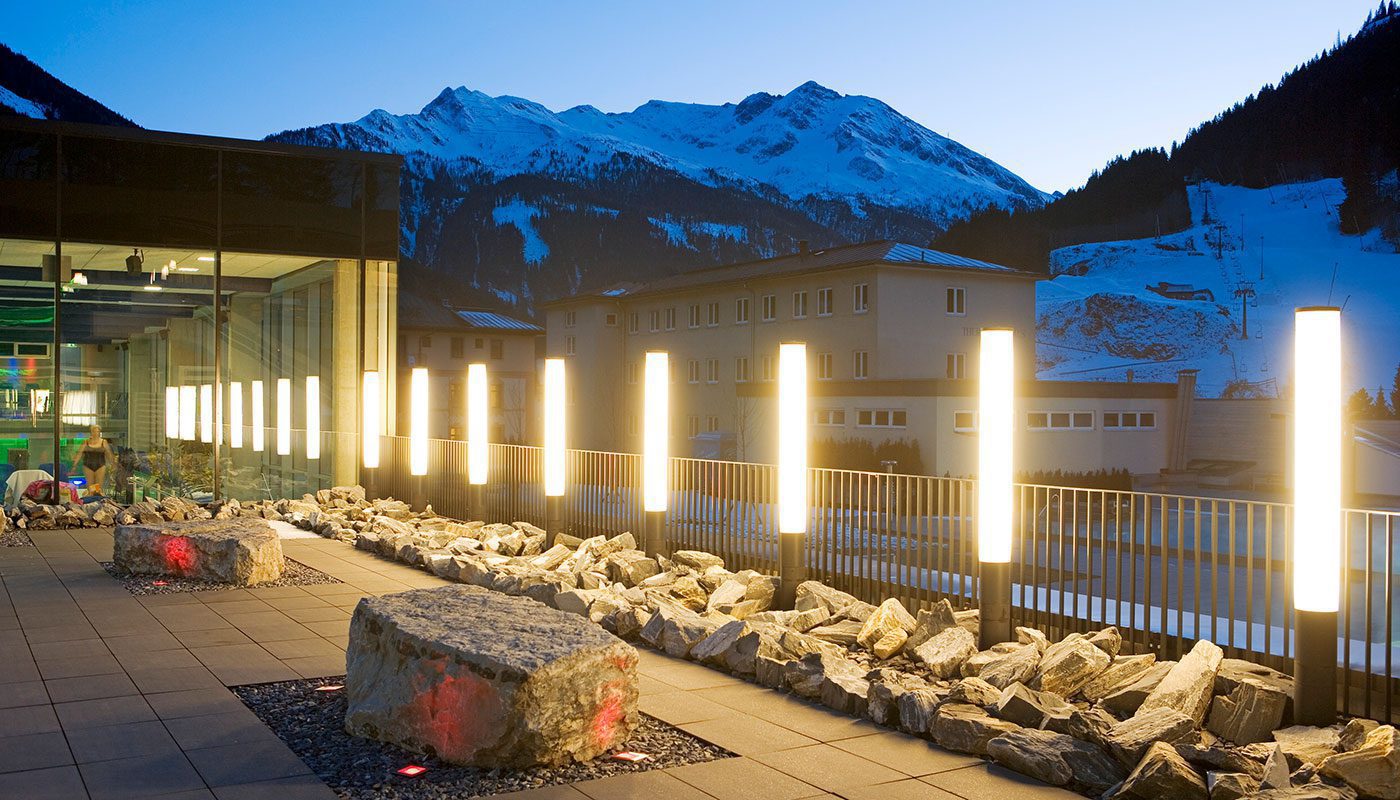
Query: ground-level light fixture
{"type": "Point", "coordinates": [235, 414]}
{"type": "Point", "coordinates": [259, 420]}
{"type": "Point", "coordinates": [1317, 510]}
{"type": "Point", "coordinates": [996, 400]}
{"type": "Point", "coordinates": [188, 408]}
{"type": "Point", "coordinates": [418, 422]}
{"type": "Point", "coordinates": [313, 417]}
{"type": "Point", "coordinates": [656, 436]}
{"type": "Point", "coordinates": [792, 468]}
{"type": "Point", "coordinates": [172, 412]}
{"type": "Point", "coordinates": [371, 418]}
{"type": "Point", "coordinates": [284, 416]}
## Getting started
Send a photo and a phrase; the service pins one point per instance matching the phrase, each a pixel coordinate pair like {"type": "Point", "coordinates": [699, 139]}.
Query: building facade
{"type": "Point", "coordinates": [892, 333]}
{"type": "Point", "coordinates": [444, 340]}
{"type": "Point", "coordinates": [210, 304]}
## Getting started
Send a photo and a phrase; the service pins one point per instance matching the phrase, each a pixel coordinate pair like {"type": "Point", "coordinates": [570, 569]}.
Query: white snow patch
{"type": "Point", "coordinates": [22, 106]}
{"type": "Point", "coordinates": [522, 216]}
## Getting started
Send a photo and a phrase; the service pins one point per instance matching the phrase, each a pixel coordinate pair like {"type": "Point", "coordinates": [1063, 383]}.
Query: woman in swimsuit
{"type": "Point", "coordinates": [95, 454]}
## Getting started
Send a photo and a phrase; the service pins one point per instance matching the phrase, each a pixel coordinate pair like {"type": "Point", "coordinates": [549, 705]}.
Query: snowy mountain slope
{"type": "Point", "coordinates": [28, 91]}
{"type": "Point", "coordinates": [1097, 320]}
{"type": "Point", "coordinates": [811, 142]}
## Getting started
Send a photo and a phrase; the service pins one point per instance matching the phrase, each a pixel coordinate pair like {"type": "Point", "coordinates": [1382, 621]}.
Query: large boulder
{"type": "Point", "coordinates": [479, 678]}
{"type": "Point", "coordinates": [966, 728]}
{"type": "Point", "coordinates": [1056, 759]}
{"type": "Point", "coordinates": [1164, 774]}
{"type": "Point", "coordinates": [243, 551]}
{"type": "Point", "coordinates": [1373, 769]}
{"type": "Point", "coordinates": [945, 652]}
{"type": "Point", "coordinates": [1067, 668]}
{"type": "Point", "coordinates": [1189, 685]}
{"type": "Point", "coordinates": [1250, 713]}
{"type": "Point", "coordinates": [1119, 675]}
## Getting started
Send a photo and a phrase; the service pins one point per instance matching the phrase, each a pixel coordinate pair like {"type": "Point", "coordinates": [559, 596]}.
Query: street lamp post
{"type": "Point", "coordinates": [554, 444]}
{"type": "Point", "coordinates": [478, 454]}
{"type": "Point", "coordinates": [995, 423]}
{"type": "Point", "coordinates": [655, 458]}
{"type": "Point", "coordinates": [792, 470]}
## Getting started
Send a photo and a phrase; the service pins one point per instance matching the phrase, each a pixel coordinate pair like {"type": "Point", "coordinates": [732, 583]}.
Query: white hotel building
{"type": "Point", "coordinates": [892, 338]}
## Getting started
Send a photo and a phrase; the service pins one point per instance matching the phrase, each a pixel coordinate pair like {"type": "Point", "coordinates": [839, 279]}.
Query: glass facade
{"type": "Point", "coordinates": [189, 316]}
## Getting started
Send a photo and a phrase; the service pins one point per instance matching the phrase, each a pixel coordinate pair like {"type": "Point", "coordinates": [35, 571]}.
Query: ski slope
{"type": "Point", "coordinates": [1096, 320]}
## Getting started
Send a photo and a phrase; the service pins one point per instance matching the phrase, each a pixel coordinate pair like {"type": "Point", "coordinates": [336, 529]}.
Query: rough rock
{"type": "Point", "coordinates": [1304, 744]}
{"type": "Point", "coordinates": [975, 691]}
{"type": "Point", "coordinates": [1373, 769]}
{"type": "Point", "coordinates": [889, 644]}
{"type": "Point", "coordinates": [917, 709]}
{"type": "Point", "coordinates": [1018, 665]}
{"type": "Point", "coordinates": [1249, 714]}
{"type": "Point", "coordinates": [845, 693]}
{"type": "Point", "coordinates": [1128, 699]}
{"type": "Point", "coordinates": [815, 594]}
{"type": "Point", "coordinates": [1234, 670]}
{"type": "Point", "coordinates": [1108, 640]}
{"type": "Point", "coordinates": [1029, 708]}
{"type": "Point", "coordinates": [1163, 774]}
{"type": "Point", "coordinates": [805, 676]}
{"type": "Point", "coordinates": [930, 622]}
{"type": "Point", "coordinates": [1230, 785]}
{"type": "Point", "coordinates": [696, 559]}
{"type": "Point", "coordinates": [888, 617]}
{"type": "Point", "coordinates": [1033, 636]}
{"type": "Point", "coordinates": [1354, 733]}
{"type": "Point", "coordinates": [945, 652]}
{"type": "Point", "coordinates": [886, 687]}
{"type": "Point", "coordinates": [1086, 724]}
{"type": "Point", "coordinates": [1129, 739]}
{"type": "Point", "coordinates": [1119, 675]}
{"type": "Point", "coordinates": [525, 684]}
{"type": "Point", "coordinates": [1189, 684]}
{"type": "Point", "coordinates": [1066, 670]}
{"type": "Point", "coordinates": [241, 551]}
{"type": "Point", "coordinates": [966, 728]}
{"type": "Point", "coordinates": [1312, 791]}
{"type": "Point", "coordinates": [1056, 759]}
{"type": "Point", "coordinates": [842, 633]}
{"type": "Point", "coordinates": [1275, 774]}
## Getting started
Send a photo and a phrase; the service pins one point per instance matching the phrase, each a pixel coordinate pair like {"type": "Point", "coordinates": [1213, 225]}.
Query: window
{"type": "Point", "coordinates": [799, 305]}
{"type": "Point", "coordinates": [712, 371]}
{"type": "Point", "coordinates": [458, 347]}
{"type": "Point", "coordinates": [770, 307]}
{"type": "Point", "coordinates": [741, 370]}
{"type": "Point", "coordinates": [425, 341]}
{"type": "Point", "coordinates": [714, 315]}
{"type": "Point", "coordinates": [570, 347]}
{"type": "Point", "coordinates": [671, 319]}
{"type": "Point", "coordinates": [957, 301]}
{"type": "Point", "coordinates": [655, 321]}
{"type": "Point", "coordinates": [692, 426]}
{"type": "Point", "coordinates": [631, 372]}
{"type": "Point", "coordinates": [610, 319]}
{"type": "Point", "coordinates": [634, 322]}
{"type": "Point", "coordinates": [1060, 420]}
{"type": "Point", "coordinates": [1129, 420]}
{"type": "Point", "coordinates": [830, 416]}
{"type": "Point", "coordinates": [964, 421]}
{"type": "Point", "coordinates": [768, 368]}
{"type": "Point", "coordinates": [880, 418]}
{"type": "Point", "coordinates": [694, 371]}
{"type": "Point", "coordinates": [824, 302]}
{"type": "Point", "coordinates": [570, 318]}
{"type": "Point", "coordinates": [957, 365]}
{"type": "Point", "coordinates": [823, 366]}
{"type": "Point", "coordinates": [695, 316]}
{"type": "Point", "coordinates": [860, 369]}
{"type": "Point", "coordinates": [741, 311]}
{"type": "Point", "coordinates": [860, 298]}
{"type": "Point", "coordinates": [711, 423]}
{"type": "Point", "coordinates": [478, 343]}
{"type": "Point", "coordinates": [498, 348]}
{"type": "Point", "coordinates": [494, 396]}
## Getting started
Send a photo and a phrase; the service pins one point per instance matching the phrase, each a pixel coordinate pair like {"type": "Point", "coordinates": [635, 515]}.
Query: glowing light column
{"type": "Point", "coordinates": [418, 432]}
{"type": "Point", "coordinates": [188, 395]}
{"type": "Point", "coordinates": [792, 469]}
{"type": "Point", "coordinates": [656, 436]}
{"type": "Point", "coordinates": [371, 406]}
{"type": "Point", "coordinates": [259, 420]}
{"type": "Point", "coordinates": [478, 454]}
{"type": "Point", "coordinates": [284, 416]}
{"type": "Point", "coordinates": [172, 412]}
{"type": "Point", "coordinates": [1317, 511]}
{"type": "Point", "coordinates": [206, 412]}
{"type": "Point", "coordinates": [996, 375]}
{"type": "Point", "coordinates": [313, 417]}
{"type": "Point", "coordinates": [235, 415]}
{"type": "Point", "coordinates": [554, 442]}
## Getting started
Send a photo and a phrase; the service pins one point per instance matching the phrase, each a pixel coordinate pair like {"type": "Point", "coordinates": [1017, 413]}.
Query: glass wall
{"type": "Point", "coordinates": [216, 307]}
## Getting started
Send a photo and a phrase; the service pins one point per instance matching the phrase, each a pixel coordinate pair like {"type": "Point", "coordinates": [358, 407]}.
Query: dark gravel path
{"type": "Point", "coordinates": [293, 574]}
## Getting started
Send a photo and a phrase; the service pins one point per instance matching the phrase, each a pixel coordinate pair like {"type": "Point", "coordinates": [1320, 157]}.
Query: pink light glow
{"type": "Point", "coordinates": [411, 771]}
{"type": "Point", "coordinates": [179, 555]}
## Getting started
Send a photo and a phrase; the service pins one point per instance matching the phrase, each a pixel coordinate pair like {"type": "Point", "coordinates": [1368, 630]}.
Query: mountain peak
{"type": "Point", "coordinates": [815, 90]}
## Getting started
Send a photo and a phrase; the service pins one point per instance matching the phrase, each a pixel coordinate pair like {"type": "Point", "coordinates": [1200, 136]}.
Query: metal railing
{"type": "Point", "coordinates": [1166, 569]}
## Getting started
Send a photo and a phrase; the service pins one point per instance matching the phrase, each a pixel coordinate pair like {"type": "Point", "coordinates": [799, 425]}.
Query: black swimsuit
{"type": "Point", "coordinates": [94, 458]}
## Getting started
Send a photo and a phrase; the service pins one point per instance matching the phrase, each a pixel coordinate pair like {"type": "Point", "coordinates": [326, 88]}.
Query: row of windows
{"type": "Point", "coordinates": [865, 417]}
{"type": "Point", "coordinates": [708, 315]}
{"type": "Point", "coordinates": [458, 346]}
{"type": "Point", "coordinates": [966, 421]}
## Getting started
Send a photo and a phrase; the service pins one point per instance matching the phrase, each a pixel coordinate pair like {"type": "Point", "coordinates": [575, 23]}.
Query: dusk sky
{"type": "Point", "coordinates": [1050, 90]}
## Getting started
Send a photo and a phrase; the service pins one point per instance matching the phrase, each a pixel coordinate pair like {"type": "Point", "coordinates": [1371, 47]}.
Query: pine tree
{"type": "Point", "coordinates": [1360, 405]}
{"type": "Point", "coordinates": [1395, 394]}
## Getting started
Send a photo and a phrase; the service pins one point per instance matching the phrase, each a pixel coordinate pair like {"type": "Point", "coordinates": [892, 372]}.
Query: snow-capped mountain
{"type": "Point", "coordinates": [27, 90]}
{"type": "Point", "coordinates": [811, 142]}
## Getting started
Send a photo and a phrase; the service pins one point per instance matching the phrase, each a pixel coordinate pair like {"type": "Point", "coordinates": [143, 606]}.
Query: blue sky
{"type": "Point", "coordinates": [1049, 89]}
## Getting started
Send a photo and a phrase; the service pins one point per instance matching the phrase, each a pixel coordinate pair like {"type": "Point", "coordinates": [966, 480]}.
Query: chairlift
{"type": "Point", "coordinates": [1258, 332]}
{"type": "Point", "coordinates": [1254, 301]}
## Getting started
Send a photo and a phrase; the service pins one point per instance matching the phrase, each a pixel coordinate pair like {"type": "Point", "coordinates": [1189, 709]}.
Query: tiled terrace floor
{"type": "Point", "coordinates": [106, 695]}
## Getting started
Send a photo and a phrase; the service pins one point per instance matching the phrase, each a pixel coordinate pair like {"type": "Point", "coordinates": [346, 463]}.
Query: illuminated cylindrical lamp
{"type": "Point", "coordinates": [792, 469]}
{"type": "Point", "coordinates": [313, 417]}
{"type": "Point", "coordinates": [284, 416]}
{"type": "Point", "coordinates": [235, 415]}
{"type": "Point", "coordinates": [371, 405]}
{"type": "Point", "coordinates": [655, 456]}
{"type": "Point", "coordinates": [206, 412]}
{"type": "Point", "coordinates": [259, 419]}
{"type": "Point", "coordinates": [188, 409]}
{"type": "Point", "coordinates": [996, 418]}
{"type": "Point", "coordinates": [1317, 511]}
{"type": "Point", "coordinates": [478, 458]}
{"type": "Point", "coordinates": [418, 422]}
{"type": "Point", "coordinates": [172, 412]}
{"type": "Point", "coordinates": [555, 406]}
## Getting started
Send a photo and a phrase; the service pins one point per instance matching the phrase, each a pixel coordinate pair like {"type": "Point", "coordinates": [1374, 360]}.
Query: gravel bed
{"type": "Point", "coordinates": [311, 723]}
{"type": "Point", "coordinates": [16, 537]}
{"type": "Point", "coordinates": [294, 573]}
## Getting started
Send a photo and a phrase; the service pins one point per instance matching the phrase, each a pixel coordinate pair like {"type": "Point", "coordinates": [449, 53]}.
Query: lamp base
{"type": "Point", "coordinates": [1314, 667]}
{"type": "Point", "coordinates": [994, 602]}
{"type": "Point", "coordinates": [792, 567]}
{"type": "Point", "coordinates": [554, 515]}
{"type": "Point", "coordinates": [654, 536]}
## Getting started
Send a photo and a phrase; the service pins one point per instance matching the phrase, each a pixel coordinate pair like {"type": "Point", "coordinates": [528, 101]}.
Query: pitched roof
{"type": "Point", "coordinates": [842, 256]}
{"type": "Point", "coordinates": [416, 311]}
{"type": "Point", "coordinates": [490, 320]}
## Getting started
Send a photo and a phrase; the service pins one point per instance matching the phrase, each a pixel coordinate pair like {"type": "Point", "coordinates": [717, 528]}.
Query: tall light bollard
{"type": "Point", "coordinates": [478, 455]}
{"type": "Point", "coordinates": [655, 450]}
{"type": "Point", "coordinates": [554, 443]}
{"type": "Point", "coordinates": [371, 427]}
{"type": "Point", "coordinates": [1317, 511]}
{"type": "Point", "coordinates": [419, 418]}
{"type": "Point", "coordinates": [792, 470]}
{"type": "Point", "coordinates": [996, 416]}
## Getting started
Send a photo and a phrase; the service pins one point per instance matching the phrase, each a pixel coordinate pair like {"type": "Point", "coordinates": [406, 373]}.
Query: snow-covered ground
{"type": "Point", "coordinates": [1096, 320]}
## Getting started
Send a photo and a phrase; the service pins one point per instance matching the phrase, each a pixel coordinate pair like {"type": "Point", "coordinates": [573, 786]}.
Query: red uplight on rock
{"type": "Point", "coordinates": [411, 771]}
{"type": "Point", "coordinates": [628, 755]}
